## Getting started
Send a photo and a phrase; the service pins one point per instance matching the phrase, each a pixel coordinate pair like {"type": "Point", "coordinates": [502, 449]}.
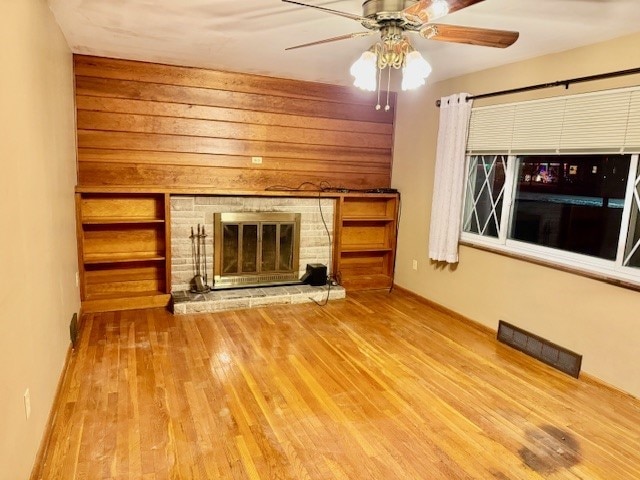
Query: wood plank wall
{"type": "Point", "coordinates": [149, 125]}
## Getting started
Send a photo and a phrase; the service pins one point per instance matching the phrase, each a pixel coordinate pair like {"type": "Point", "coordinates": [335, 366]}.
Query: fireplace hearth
{"type": "Point", "coordinates": [186, 302]}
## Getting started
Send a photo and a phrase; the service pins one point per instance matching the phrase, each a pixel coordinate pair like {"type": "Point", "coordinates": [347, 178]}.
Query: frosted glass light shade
{"type": "Point", "coordinates": [439, 8]}
{"type": "Point", "coordinates": [415, 71]}
{"type": "Point", "coordinates": [364, 70]}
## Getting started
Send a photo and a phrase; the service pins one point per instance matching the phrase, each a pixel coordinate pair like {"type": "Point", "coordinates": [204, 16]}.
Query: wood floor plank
{"type": "Point", "coordinates": [377, 386]}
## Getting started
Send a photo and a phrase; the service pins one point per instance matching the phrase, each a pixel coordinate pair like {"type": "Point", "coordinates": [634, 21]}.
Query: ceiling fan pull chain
{"type": "Point", "coordinates": [387, 107]}
{"type": "Point", "coordinates": [378, 106]}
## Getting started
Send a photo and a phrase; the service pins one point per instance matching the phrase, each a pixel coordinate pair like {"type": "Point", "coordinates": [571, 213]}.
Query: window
{"type": "Point", "coordinates": [571, 203]}
{"type": "Point", "coordinates": [557, 179]}
{"type": "Point", "coordinates": [581, 210]}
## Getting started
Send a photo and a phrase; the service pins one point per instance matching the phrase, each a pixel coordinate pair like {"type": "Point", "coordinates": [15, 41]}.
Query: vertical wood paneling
{"type": "Point", "coordinates": [150, 125]}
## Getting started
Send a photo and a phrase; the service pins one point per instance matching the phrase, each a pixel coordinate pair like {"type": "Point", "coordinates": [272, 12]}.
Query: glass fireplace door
{"type": "Point", "coordinates": [256, 248]}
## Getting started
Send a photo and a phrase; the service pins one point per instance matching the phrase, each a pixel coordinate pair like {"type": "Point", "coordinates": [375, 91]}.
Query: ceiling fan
{"type": "Point", "coordinates": [392, 18]}
{"type": "Point", "coordinates": [416, 16]}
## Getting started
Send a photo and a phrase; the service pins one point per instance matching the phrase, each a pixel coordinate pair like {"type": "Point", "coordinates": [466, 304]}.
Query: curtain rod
{"type": "Point", "coordinates": [565, 83]}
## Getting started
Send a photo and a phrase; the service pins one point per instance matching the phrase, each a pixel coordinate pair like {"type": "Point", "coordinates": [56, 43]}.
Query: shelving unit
{"type": "Point", "coordinates": [366, 240]}
{"type": "Point", "coordinates": [122, 245]}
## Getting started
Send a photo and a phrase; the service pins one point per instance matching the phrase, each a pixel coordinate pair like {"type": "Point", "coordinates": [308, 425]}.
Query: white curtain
{"type": "Point", "coordinates": [449, 178]}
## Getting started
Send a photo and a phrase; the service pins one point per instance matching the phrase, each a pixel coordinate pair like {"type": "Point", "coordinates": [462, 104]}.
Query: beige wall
{"type": "Point", "coordinates": [600, 321]}
{"type": "Point", "coordinates": [38, 293]}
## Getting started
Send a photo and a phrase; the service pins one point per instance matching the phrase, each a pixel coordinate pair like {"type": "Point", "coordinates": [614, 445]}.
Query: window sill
{"type": "Point", "coordinates": [500, 250]}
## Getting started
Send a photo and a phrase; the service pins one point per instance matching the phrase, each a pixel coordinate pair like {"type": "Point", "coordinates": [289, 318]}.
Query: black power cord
{"type": "Point", "coordinates": [326, 229]}
{"type": "Point", "coordinates": [320, 187]}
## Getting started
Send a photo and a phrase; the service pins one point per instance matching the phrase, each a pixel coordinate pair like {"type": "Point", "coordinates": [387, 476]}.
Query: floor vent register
{"type": "Point", "coordinates": [539, 348]}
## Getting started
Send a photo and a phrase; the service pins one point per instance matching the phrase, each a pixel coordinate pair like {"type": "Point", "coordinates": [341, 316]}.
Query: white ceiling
{"type": "Point", "coordinates": [251, 35]}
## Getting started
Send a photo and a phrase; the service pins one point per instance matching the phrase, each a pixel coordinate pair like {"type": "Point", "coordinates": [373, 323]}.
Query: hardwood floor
{"type": "Point", "coordinates": [378, 386]}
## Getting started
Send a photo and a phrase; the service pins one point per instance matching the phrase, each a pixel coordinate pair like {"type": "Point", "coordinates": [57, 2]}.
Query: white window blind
{"type": "Point", "coordinates": [491, 129]}
{"type": "Point", "coordinates": [602, 122]}
{"type": "Point", "coordinates": [632, 138]}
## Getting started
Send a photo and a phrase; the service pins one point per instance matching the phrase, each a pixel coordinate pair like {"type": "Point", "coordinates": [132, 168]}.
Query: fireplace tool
{"type": "Point", "coordinates": [199, 256]}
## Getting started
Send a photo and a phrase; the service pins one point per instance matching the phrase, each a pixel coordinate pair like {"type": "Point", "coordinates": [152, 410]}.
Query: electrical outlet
{"type": "Point", "coordinates": [256, 160]}
{"type": "Point", "coordinates": [414, 265]}
{"type": "Point", "coordinates": [27, 404]}
{"type": "Point", "coordinates": [77, 279]}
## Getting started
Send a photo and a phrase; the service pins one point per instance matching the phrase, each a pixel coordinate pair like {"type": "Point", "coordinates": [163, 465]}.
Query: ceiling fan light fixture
{"type": "Point", "coordinates": [415, 71]}
{"type": "Point", "coordinates": [364, 71]}
{"type": "Point", "coordinates": [389, 55]}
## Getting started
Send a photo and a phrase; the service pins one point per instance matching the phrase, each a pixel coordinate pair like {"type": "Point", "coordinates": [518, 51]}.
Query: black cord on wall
{"type": "Point", "coordinates": [321, 187]}
{"type": "Point", "coordinates": [326, 229]}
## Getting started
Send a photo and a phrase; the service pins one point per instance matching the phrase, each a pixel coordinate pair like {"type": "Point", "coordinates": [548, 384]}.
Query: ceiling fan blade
{"type": "Point", "coordinates": [429, 10]}
{"type": "Point", "coordinates": [334, 39]}
{"type": "Point", "coordinates": [351, 16]}
{"type": "Point", "coordinates": [473, 36]}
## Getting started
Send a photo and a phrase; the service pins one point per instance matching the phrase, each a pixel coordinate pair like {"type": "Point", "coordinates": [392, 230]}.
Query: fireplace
{"type": "Point", "coordinates": [256, 248]}
{"type": "Point", "coordinates": [187, 211]}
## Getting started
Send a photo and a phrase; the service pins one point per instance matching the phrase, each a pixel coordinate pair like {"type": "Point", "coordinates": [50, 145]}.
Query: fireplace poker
{"type": "Point", "coordinates": [198, 254]}
{"type": "Point", "coordinates": [193, 251]}
{"type": "Point", "coordinates": [197, 251]}
{"type": "Point", "coordinates": [204, 254]}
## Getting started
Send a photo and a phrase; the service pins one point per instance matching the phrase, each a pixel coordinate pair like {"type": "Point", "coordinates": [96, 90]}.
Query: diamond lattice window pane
{"type": "Point", "coordinates": [485, 194]}
{"type": "Point", "coordinates": [632, 251]}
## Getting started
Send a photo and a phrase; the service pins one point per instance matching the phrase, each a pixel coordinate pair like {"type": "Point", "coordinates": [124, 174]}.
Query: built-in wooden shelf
{"type": "Point", "coordinates": [123, 257]}
{"type": "Point", "coordinates": [368, 282]}
{"type": "Point", "coordinates": [366, 241]}
{"type": "Point", "coordinates": [367, 219]}
{"type": "Point", "coordinates": [118, 295]}
{"type": "Point", "coordinates": [364, 249]}
{"type": "Point", "coordinates": [121, 220]}
{"type": "Point", "coordinates": [123, 245]}
{"type": "Point", "coordinates": [125, 302]}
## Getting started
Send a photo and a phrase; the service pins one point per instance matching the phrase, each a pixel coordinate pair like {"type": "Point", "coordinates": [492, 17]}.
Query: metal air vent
{"type": "Point", "coordinates": [539, 348]}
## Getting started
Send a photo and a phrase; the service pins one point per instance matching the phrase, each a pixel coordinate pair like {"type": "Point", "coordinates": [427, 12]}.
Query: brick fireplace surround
{"type": "Point", "coordinates": [190, 210]}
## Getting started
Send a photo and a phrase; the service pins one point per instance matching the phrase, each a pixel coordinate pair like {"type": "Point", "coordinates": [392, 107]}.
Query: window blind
{"type": "Point", "coordinates": [599, 122]}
